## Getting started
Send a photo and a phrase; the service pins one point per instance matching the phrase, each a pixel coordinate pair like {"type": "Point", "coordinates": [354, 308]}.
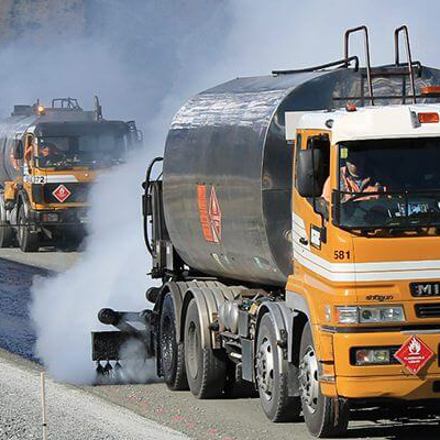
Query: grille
{"type": "Point", "coordinates": [80, 192]}
{"type": "Point", "coordinates": [428, 310]}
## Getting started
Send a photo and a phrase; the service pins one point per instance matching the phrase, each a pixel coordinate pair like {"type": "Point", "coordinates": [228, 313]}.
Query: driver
{"type": "Point", "coordinates": [49, 154]}
{"type": "Point", "coordinates": [354, 178]}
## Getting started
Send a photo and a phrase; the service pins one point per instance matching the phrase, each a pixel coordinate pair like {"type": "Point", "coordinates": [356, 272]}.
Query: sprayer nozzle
{"type": "Point", "coordinates": [109, 316]}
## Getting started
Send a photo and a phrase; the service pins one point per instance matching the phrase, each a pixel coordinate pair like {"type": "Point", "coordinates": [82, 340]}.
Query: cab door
{"type": "Point", "coordinates": [311, 214]}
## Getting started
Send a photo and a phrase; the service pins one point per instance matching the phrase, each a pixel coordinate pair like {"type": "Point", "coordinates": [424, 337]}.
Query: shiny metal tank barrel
{"type": "Point", "coordinates": [232, 138]}
{"type": "Point", "coordinates": [10, 129]}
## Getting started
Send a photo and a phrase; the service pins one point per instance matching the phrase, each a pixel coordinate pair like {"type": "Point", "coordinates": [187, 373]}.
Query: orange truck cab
{"type": "Point", "coordinates": [50, 160]}
{"type": "Point", "coordinates": [367, 264]}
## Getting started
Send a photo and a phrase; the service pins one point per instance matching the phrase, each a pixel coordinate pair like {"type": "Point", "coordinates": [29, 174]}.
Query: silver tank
{"type": "Point", "coordinates": [232, 138]}
{"type": "Point", "coordinates": [10, 129]}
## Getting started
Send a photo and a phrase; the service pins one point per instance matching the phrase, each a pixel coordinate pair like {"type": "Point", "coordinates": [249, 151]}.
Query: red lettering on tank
{"type": "Point", "coordinates": [209, 213]}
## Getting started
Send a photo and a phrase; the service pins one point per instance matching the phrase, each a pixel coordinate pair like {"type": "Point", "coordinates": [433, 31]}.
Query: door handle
{"type": "Point", "coordinates": [304, 241]}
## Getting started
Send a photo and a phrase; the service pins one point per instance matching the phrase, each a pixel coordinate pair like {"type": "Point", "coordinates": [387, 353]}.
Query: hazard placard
{"type": "Point", "coordinates": [414, 354]}
{"type": "Point", "coordinates": [61, 193]}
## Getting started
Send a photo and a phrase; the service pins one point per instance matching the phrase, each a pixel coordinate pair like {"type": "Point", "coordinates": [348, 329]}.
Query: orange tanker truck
{"type": "Point", "coordinates": [295, 230]}
{"type": "Point", "coordinates": [49, 158]}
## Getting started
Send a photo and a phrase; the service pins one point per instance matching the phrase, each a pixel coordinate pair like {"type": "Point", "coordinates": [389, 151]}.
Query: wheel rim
{"type": "Point", "coordinates": [167, 343]}
{"type": "Point", "coordinates": [192, 344]}
{"type": "Point", "coordinates": [308, 380]}
{"type": "Point", "coordinates": [265, 369]}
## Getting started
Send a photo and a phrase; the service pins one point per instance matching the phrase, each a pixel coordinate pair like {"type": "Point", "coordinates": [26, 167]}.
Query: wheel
{"type": "Point", "coordinates": [172, 353]}
{"type": "Point", "coordinates": [27, 241]}
{"type": "Point", "coordinates": [272, 384]}
{"type": "Point", "coordinates": [324, 416]}
{"type": "Point", "coordinates": [205, 368]}
{"type": "Point", "coordinates": [6, 231]}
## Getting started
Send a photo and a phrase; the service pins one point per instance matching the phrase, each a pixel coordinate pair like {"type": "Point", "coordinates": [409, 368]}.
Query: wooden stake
{"type": "Point", "coordinates": [43, 405]}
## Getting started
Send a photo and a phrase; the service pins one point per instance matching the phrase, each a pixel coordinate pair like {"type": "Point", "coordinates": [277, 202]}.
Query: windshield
{"type": "Point", "coordinates": [64, 152]}
{"type": "Point", "coordinates": [388, 183]}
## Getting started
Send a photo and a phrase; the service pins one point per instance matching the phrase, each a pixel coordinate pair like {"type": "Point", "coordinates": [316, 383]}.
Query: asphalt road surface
{"type": "Point", "coordinates": [229, 419]}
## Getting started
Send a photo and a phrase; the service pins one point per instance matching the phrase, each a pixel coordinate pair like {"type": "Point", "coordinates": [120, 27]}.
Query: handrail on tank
{"type": "Point", "coordinates": [146, 185]}
{"type": "Point", "coordinates": [66, 103]}
{"type": "Point", "coordinates": [397, 33]}
{"type": "Point", "coordinates": [345, 62]}
{"type": "Point", "coordinates": [347, 35]}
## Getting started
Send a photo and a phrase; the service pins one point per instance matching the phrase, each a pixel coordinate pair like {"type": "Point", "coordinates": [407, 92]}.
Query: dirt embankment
{"type": "Point", "coordinates": [38, 19]}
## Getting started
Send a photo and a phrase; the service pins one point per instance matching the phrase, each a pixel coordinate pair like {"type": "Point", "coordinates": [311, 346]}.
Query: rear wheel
{"type": "Point", "coordinates": [28, 241]}
{"type": "Point", "coordinates": [272, 383]}
{"type": "Point", "coordinates": [324, 416]}
{"type": "Point", "coordinates": [205, 368]}
{"type": "Point", "coordinates": [171, 352]}
{"type": "Point", "coordinates": [6, 231]}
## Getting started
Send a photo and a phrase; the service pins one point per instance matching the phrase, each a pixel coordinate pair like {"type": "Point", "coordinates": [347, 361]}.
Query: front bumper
{"type": "Point", "coordinates": [391, 381]}
{"type": "Point", "coordinates": [60, 217]}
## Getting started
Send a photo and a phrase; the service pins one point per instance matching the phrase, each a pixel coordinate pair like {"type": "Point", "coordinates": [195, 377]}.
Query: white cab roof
{"type": "Point", "coordinates": [385, 122]}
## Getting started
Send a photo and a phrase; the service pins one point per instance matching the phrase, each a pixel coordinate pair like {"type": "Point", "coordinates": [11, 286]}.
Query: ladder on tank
{"type": "Point", "coordinates": [408, 70]}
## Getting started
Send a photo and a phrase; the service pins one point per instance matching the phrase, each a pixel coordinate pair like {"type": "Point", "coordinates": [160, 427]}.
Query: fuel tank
{"type": "Point", "coordinates": [228, 169]}
{"type": "Point", "coordinates": [10, 129]}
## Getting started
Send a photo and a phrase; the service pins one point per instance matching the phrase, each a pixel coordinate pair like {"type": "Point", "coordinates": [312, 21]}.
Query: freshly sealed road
{"type": "Point", "coordinates": [208, 420]}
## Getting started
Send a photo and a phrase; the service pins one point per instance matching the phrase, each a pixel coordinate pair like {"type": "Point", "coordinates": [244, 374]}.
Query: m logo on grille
{"type": "Point", "coordinates": [61, 193]}
{"type": "Point", "coordinates": [425, 289]}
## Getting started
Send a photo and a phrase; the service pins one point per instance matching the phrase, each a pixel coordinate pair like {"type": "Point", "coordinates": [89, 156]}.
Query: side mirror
{"type": "Point", "coordinates": [17, 151]}
{"type": "Point", "coordinates": [310, 176]}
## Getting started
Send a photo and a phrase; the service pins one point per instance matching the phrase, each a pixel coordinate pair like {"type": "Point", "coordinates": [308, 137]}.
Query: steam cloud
{"type": "Point", "coordinates": [144, 58]}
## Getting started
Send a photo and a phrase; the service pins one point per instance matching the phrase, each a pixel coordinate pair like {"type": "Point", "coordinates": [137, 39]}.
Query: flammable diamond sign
{"type": "Point", "coordinates": [414, 354]}
{"type": "Point", "coordinates": [61, 193]}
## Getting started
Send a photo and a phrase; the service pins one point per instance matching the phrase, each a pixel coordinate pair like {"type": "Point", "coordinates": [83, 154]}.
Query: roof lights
{"type": "Point", "coordinates": [431, 91]}
{"type": "Point", "coordinates": [351, 107]}
{"type": "Point", "coordinates": [429, 117]}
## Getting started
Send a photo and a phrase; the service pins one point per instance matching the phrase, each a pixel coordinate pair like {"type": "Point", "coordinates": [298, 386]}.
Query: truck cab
{"type": "Point", "coordinates": [54, 157]}
{"type": "Point", "coordinates": [366, 224]}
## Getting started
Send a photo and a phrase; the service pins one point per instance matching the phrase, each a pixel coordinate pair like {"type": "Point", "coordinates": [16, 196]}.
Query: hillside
{"type": "Point", "coordinates": [40, 18]}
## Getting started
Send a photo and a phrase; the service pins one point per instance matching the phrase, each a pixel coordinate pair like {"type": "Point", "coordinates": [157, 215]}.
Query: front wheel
{"type": "Point", "coordinates": [324, 416]}
{"type": "Point", "coordinates": [28, 241]}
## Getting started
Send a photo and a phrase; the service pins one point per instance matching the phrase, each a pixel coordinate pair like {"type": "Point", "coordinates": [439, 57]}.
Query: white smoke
{"type": "Point", "coordinates": [145, 60]}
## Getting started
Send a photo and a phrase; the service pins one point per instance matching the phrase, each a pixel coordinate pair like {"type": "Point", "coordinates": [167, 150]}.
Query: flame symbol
{"type": "Point", "coordinates": [414, 347]}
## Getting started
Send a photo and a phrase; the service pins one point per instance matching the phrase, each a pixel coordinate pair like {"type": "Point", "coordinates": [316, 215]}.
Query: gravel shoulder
{"type": "Point", "coordinates": [71, 412]}
{"type": "Point", "coordinates": [45, 259]}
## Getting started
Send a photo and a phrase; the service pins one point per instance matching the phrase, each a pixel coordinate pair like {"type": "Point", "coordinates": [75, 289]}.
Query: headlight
{"type": "Point", "coordinates": [366, 356]}
{"type": "Point", "coordinates": [347, 315]}
{"type": "Point", "coordinates": [369, 314]}
{"type": "Point", "coordinates": [50, 217]}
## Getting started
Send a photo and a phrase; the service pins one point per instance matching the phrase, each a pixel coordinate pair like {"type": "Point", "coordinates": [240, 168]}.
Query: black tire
{"type": "Point", "coordinates": [205, 368]}
{"type": "Point", "coordinates": [272, 384]}
{"type": "Point", "coordinates": [324, 416]}
{"type": "Point", "coordinates": [28, 242]}
{"type": "Point", "coordinates": [172, 355]}
{"type": "Point", "coordinates": [6, 231]}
